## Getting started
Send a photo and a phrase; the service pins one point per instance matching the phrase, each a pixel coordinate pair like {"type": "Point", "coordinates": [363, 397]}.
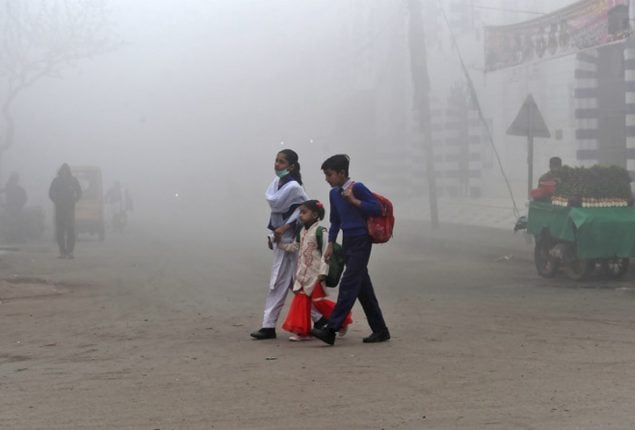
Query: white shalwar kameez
{"type": "Point", "coordinates": [284, 263]}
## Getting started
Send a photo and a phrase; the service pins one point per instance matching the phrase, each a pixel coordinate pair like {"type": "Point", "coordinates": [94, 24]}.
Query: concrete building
{"type": "Point", "coordinates": [586, 100]}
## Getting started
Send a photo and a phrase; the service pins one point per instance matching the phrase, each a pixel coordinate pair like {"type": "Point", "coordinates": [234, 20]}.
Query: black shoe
{"type": "Point", "coordinates": [321, 323]}
{"type": "Point", "coordinates": [264, 333]}
{"type": "Point", "coordinates": [325, 334]}
{"type": "Point", "coordinates": [378, 336]}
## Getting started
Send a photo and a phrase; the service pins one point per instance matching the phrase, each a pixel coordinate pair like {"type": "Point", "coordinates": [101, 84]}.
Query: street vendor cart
{"type": "Point", "coordinates": [580, 239]}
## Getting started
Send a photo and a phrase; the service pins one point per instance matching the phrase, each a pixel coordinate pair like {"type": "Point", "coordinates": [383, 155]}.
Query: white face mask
{"type": "Point", "coordinates": [282, 173]}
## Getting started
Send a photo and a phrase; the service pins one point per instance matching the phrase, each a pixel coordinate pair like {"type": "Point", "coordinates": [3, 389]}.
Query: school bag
{"type": "Point", "coordinates": [380, 227]}
{"type": "Point", "coordinates": [336, 264]}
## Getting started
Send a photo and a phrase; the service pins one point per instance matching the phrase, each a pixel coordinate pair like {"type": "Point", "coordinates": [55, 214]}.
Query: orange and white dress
{"type": "Point", "coordinates": [309, 290]}
{"type": "Point", "coordinates": [311, 264]}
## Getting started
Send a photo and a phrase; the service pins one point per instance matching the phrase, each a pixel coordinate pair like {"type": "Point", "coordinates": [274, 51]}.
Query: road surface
{"type": "Point", "coordinates": [145, 332]}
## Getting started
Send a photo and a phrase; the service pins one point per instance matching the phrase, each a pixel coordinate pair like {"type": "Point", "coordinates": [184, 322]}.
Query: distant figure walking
{"type": "Point", "coordinates": [120, 203]}
{"type": "Point", "coordinates": [65, 192]}
{"type": "Point", "coordinates": [15, 195]}
{"type": "Point", "coordinates": [14, 201]}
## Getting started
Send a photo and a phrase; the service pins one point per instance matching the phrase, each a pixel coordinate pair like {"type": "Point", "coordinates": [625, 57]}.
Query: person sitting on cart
{"type": "Point", "coordinates": [547, 182]}
{"type": "Point", "coordinates": [555, 164]}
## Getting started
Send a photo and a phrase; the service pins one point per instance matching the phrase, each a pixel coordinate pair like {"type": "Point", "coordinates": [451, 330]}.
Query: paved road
{"type": "Point", "coordinates": [152, 333]}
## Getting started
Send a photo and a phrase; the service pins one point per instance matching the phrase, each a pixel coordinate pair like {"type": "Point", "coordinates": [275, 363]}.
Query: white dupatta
{"type": "Point", "coordinates": [281, 200]}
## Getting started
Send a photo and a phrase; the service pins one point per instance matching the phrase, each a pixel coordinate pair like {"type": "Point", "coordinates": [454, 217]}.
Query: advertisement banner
{"type": "Point", "coordinates": [582, 25]}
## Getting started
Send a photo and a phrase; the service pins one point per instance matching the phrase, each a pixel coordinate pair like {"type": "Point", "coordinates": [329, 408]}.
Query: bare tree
{"type": "Point", "coordinates": [40, 38]}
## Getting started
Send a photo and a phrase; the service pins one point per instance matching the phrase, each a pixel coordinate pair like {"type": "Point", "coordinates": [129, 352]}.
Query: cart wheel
{"type": "Point", "coordinates": [546, 265]}
{"type": "Point", "coordinates": [615, 267]}
{"type": "Point", "coordinates": [578, 269]}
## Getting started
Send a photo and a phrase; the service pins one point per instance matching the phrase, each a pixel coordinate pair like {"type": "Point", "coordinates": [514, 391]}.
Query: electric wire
{"type": "Point", "coordinates": [474, 96]}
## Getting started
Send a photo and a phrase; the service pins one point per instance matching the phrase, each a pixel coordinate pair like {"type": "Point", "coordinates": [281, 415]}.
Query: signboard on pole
{"type": "Point", "coordinates": [582, 25]}
{"type": "Point", "coordinates": [530, 123]}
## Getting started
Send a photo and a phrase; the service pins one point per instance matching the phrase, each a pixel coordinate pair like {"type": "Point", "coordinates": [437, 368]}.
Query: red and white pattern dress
{"type": "Point", "coordinates": [308, 290]}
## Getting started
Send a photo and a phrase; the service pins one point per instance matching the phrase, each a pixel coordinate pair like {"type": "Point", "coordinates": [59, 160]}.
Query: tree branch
{"type": "Point", "coordinates": [40, 38]}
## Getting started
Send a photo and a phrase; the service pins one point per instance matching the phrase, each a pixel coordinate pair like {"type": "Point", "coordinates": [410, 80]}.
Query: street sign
{"type": "Point", "coordinates": [529, 121]}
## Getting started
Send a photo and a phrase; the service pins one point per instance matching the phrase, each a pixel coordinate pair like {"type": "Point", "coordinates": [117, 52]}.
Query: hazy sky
{"type": "Point", "coordinates": [200, 94]}
{"type": "Point", "coordinates": [198, 91]}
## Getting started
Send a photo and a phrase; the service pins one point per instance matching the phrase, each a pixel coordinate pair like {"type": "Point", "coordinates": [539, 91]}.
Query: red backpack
{"type": "Point", "coordinates": [380, 227]}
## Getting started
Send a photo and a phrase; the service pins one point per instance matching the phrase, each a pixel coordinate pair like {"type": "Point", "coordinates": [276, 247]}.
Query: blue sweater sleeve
{"type": "Point", "coordinates": [369, 207]}
{"type": "Point", "coordinates": [334, 219]}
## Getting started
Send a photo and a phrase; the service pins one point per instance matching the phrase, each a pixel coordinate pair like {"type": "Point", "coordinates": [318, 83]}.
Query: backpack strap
{"type": "Point", "coordinates": [318, 237]}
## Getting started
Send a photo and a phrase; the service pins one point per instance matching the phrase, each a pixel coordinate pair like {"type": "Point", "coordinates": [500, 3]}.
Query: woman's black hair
{"type": "Point", "coordinates": [337, 163]}
{"type": "Point", "coordinates": [292, 158]}
{"type": "Point", "coordinates": [315, 206]}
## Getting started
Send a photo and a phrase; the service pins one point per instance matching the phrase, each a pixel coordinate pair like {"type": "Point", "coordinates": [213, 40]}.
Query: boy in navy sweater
{"type": "Point", "coordinates": [351, 205]}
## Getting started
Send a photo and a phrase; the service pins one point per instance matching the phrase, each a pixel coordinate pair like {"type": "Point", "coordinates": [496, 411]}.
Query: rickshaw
{"type": "Point", "coordinates": [89, 210]}
{"type": "Point", "coordinates": [579, 240]}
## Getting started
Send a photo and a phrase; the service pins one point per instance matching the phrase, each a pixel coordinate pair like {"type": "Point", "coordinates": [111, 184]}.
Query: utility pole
{"type": "Point", "coordinates": [421, 86]}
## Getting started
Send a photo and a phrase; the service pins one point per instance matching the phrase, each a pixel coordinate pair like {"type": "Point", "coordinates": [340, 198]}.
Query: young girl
{"type": "Point", "coordinates": [284, 195]}
{"type": "Point", "coordinates": [311, 272]}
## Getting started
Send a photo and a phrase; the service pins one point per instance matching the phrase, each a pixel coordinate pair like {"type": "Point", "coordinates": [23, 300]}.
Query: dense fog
{"type": "Point", "coordinates": [187, 102]}
{"type": "Point", "coordinates": [193, 100]}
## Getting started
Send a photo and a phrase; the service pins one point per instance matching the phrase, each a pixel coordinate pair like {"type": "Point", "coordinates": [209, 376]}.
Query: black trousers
{"type": "Point", "coordinates": [356, 284]}
{"type": "Point", "coordinates": [65, 229]}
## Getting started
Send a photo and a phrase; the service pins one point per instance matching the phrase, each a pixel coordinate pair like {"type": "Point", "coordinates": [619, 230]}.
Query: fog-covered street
{"type": "Point", "coordinates": [170, 169]}
{"type": "Point", "coordinates": [145, 333]}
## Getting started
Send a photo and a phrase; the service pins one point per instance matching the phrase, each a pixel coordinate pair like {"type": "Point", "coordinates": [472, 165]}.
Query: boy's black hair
{"type": "Point", "coordinates": [338, 163]}
{"type": "Point", "coordinates": [315, 206]}
{"type": "Point", "coordinates": [292, 158]}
